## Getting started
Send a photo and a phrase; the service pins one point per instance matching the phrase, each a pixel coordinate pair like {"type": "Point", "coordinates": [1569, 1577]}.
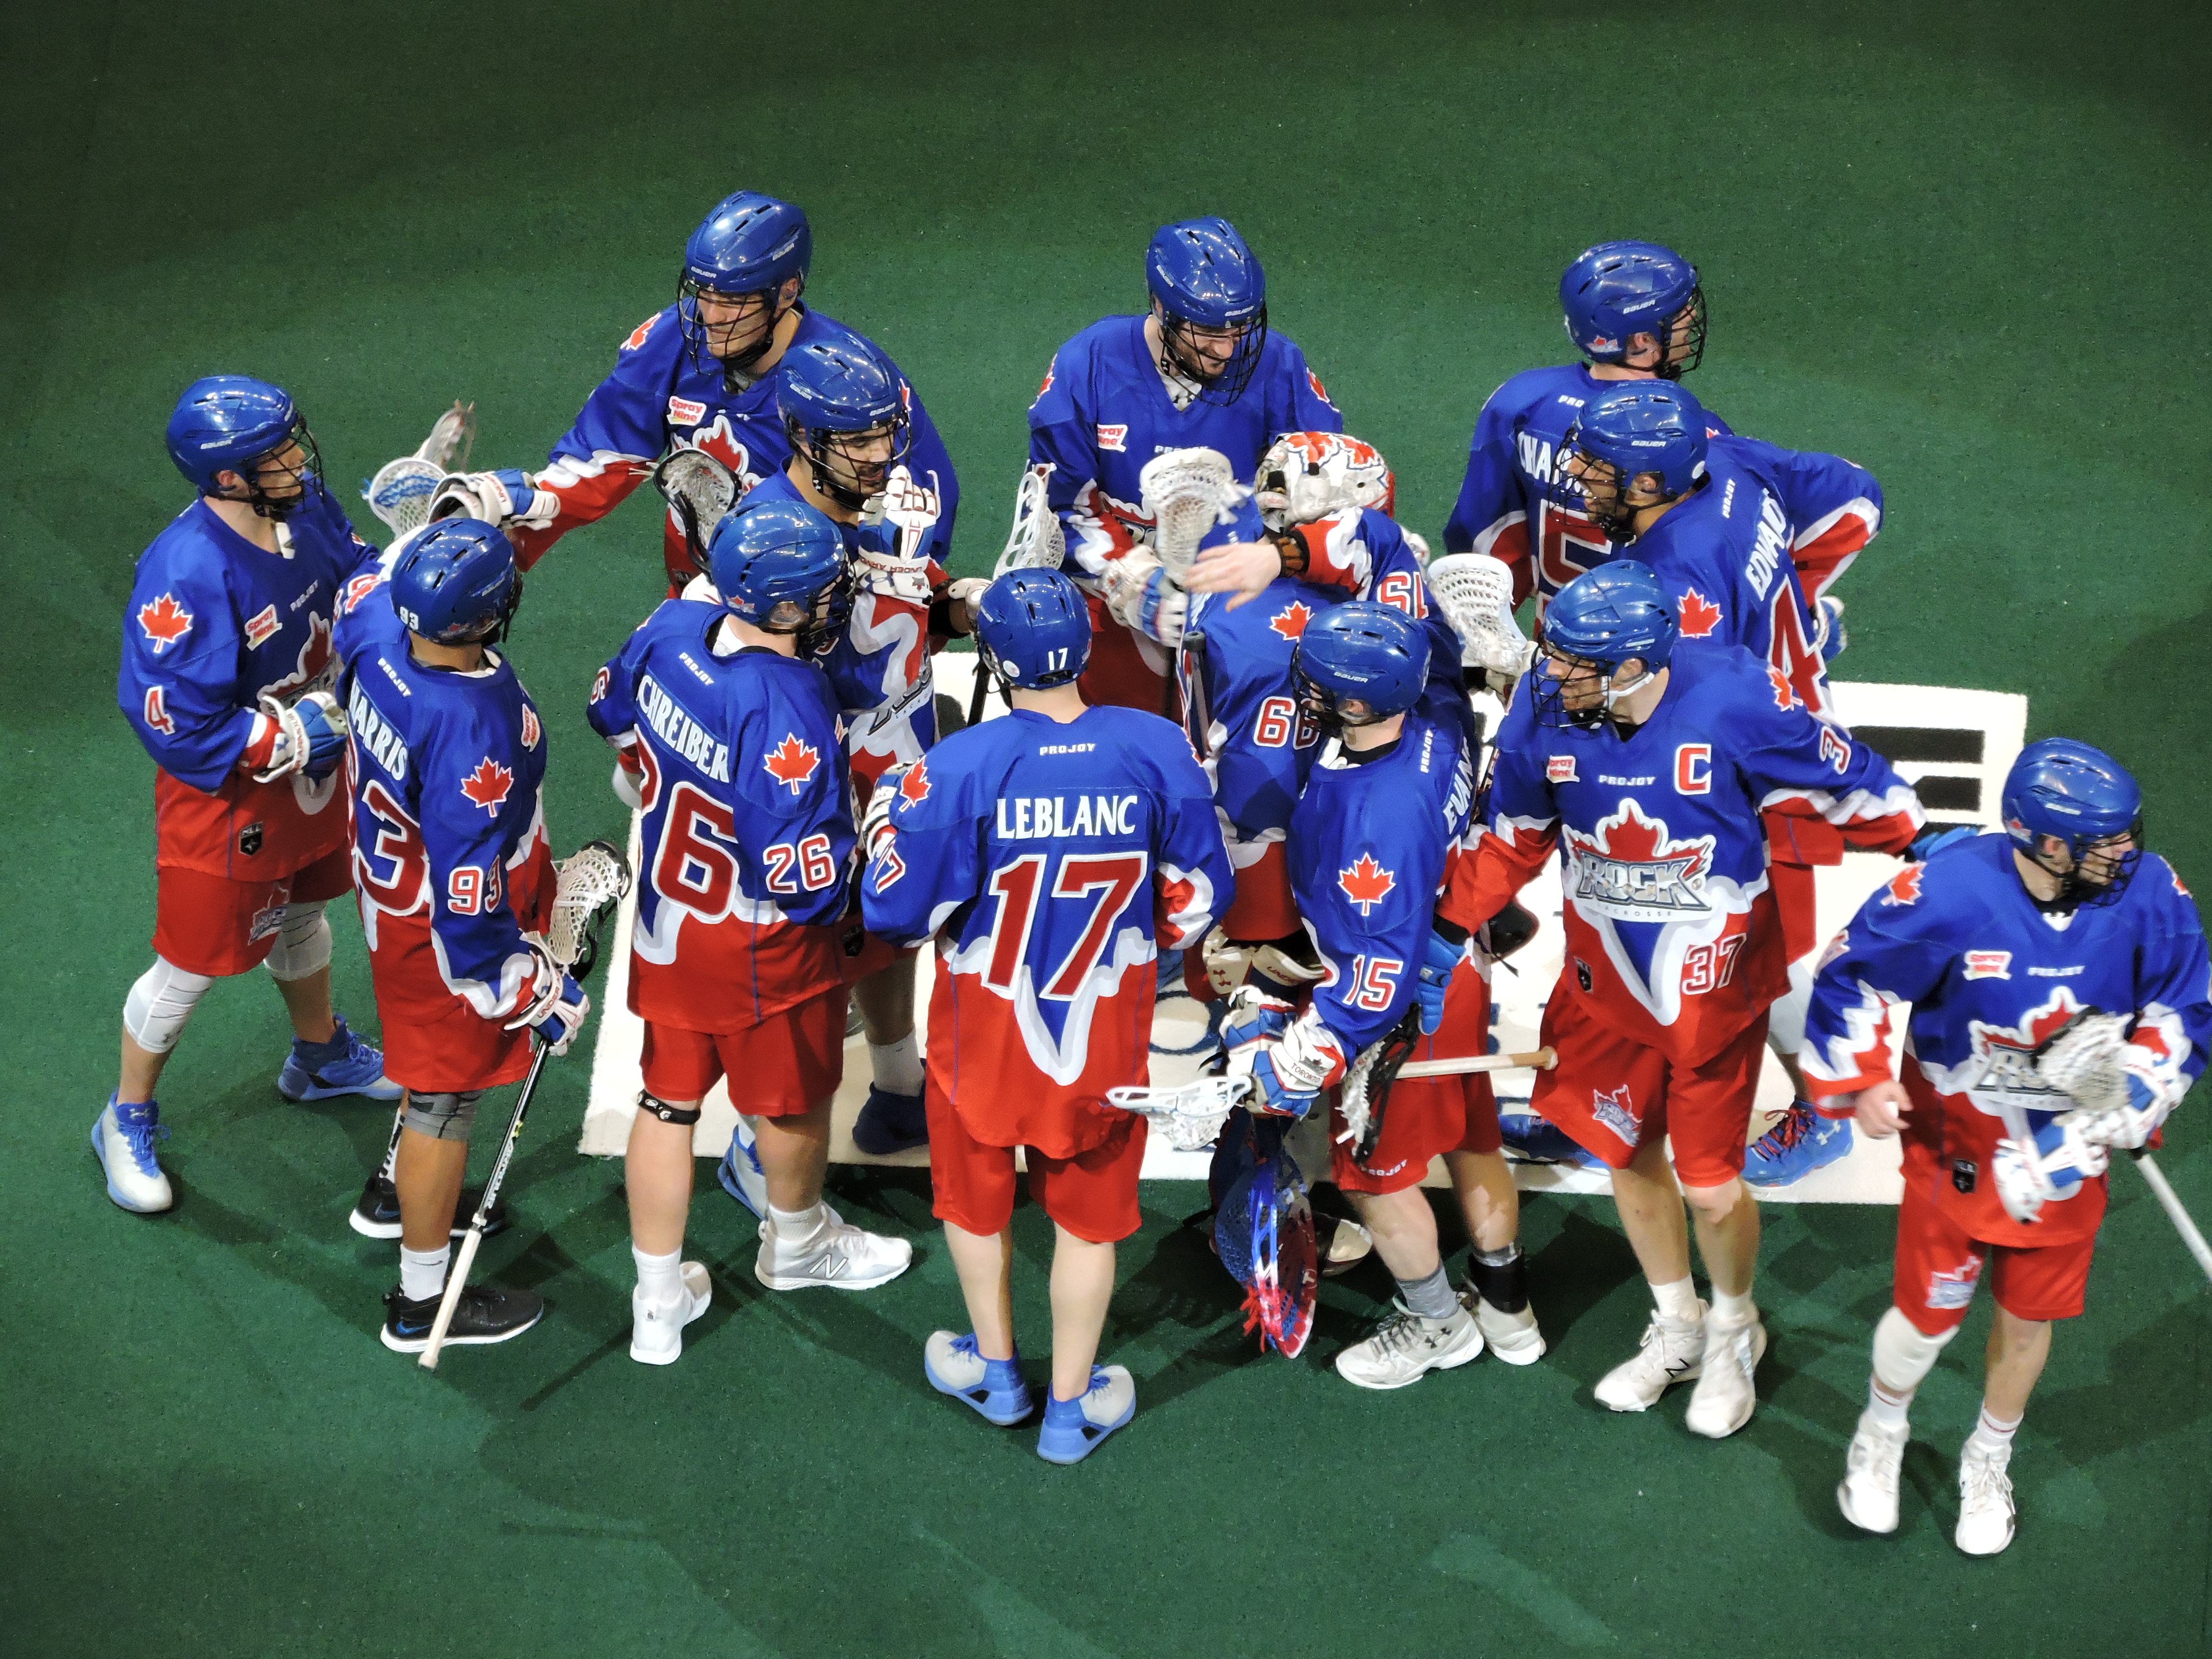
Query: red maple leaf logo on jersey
{"type": "Point", "coordinates": [165, 621]}
{"type": "Point", "coordinates": [531, 730]}
{"type": "Point", "coordinates": [1319, 390]}
{"type": "Point", "coordinates": [1904, 887]}
{"type": "Point", "coordinates": [1634, 839]}
{"type": "Point", "coordinates": [487, 786]}
{"type": "Point", "coordinates": [1366, 883]}
{"type": "Point", "coordinates": [2038, 1028]}
{"type": "Point", "coordinates": [792, 762]}
{"type": "Point", "coordinates": [1291, 621]}
{"type": "Point", "coordinates": [638, 335]}
{"type": "Point", "coordinates": [914, 787]}
{"type": "Point", "coordinates": [1700, 615]}
{"type": "Point", "coordinates": [1785, 695]}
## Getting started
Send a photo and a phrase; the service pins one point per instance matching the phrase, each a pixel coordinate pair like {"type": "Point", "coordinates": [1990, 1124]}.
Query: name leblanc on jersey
{"type": "Point", "coordinates": [372, 733]}
{"type": "Point", "coordinates": [680, 731]}
{"type": "Point", "coordinates": [1045, 818]}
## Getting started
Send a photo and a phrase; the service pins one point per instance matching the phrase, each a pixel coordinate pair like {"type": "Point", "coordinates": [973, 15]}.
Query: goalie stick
{"type": "Point", "coordinates": [400, 493]}
{"type": "Point", "coordinates": [1036, 542]}
{"type": "Point", "coordinates": [591, 882]}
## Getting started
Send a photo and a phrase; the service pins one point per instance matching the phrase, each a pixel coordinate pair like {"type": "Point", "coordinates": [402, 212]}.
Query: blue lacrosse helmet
{"type": "Point", "coordinates": [2064, 788]}
{"type": "Point", "coordinates": [1636, 427]}
{"type": "Point", "coordinates": [1616, 290]}
{"type": "Point", "coordinates": [457, 583]}
{"type": "Point", "coordinates": [225, 424]}
{"type": "Point", "coordinates": [772, 560]}
{"type": "Point", "coordinates": [1033, 630]}
{"type": "Point", "coordinates": [1206, 279]}
{"type": "Point", "coordinates": [1604, 617]}
{"type": "Point", "coordinates": [1363, 651]}
{"type": "Point", "coordinates": [837, 383]}
{"type": "Point", "coordinates": [750, 244]}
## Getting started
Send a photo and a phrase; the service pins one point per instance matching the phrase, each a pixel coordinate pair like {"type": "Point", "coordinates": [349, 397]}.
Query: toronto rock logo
{"type": "Point", "coordinates": [1629, 869]}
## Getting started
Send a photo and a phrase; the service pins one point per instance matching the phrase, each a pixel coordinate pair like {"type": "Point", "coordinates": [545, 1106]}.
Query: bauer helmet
{"type": "Point", "coordinates": [233, 422]}
{"type": "Point", "coordinates": [747, 248]}
{"type": "Point", "coordinates": [1361, 654]}
{"type": "Point", "coordinates": [1033, 630]}
{"type": "Point", "coordinates": [1615, 614]}
{"type": "Point", "coordinates": [2062, 787]}
{"type": "Point", "coordinates": [1631, 428]}
{"type": "Point", "coordinates": [775, 563]}
{"type": "Point", "coordinates": [457, 583]}
{"type": "Point", "coordinates": [1617, 290]}
{"type": "Point", "coordinates": [1210, 290]}
{"type": "Point", "coordinates": [839, 397]}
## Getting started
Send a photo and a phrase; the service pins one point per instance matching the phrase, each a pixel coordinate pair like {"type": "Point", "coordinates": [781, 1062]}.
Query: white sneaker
{"type": "Point", "coordinates": [1406, 1347]}
{"type": "Point", "coordinates": [656, 1329]}
{"type": "Point", "coordinates": [1672, 1351]}
{"type": "Point", "coordinates": [122, 1140]}
{"type": "Point", "coordinates": [1724, 1398]}
{"type": "Point", "coordinates": [1513, 1337]}
{"type": "Point", "coordinates": [839, 1254]}
{"type": "Point", "coordinates": [1868, 1495]}
{"type": "Point", "coordinates": [1986, 1515]}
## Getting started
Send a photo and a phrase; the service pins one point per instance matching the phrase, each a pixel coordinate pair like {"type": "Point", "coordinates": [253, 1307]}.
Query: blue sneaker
{"type": "Point", "coordinates": [344, 1065]}
{"type": "Point", "coordinates": [1535, 1139]}
{"type": "Point", "coordinates": [123, 1138]}
{"type": "Point", "coordinates": [740, 1171]}
{"type": "Point", "coordinates": [890, 1123]}
{"type": "Point", "coordinates": [1073, 1428]}
{"type": "Point", "coordinates": [955, 1365]}
{"type": "Point", "coordinates": [1801, 1141]}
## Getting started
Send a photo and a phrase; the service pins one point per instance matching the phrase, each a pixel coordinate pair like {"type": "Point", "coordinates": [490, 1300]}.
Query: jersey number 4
{"type": "Point", "coordinates": [1109, 880]}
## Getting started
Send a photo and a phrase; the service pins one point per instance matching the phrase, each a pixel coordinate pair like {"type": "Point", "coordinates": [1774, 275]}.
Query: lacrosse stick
{"type": "Point", "coordinates": [1035, 542]}
{"type": "Point", "coordinates": [1365, 1096]}
{"type": "Point", "coordinates": [1187, 492]}
{"type": "Point", "coordinates": [2174, 1212]}
{"type": "Point", "coordinates": [698, 488]}
{"type": "Point", "coordinates": [1264, 1233]}
{"type": "Point", "coordinates": [400, 492]}
{"type": "Point", "coordinates": [590, 884]}
{"type": "Point", "coordinates": [1475, 593]}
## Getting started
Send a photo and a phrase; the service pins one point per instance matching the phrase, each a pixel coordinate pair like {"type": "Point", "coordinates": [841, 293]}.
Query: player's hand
{"type": "Point", "coordinates": [2052, 1167]}
{"type": "Point", "coordinates": [1882, 1107]}
{"type": "Point", "coordinates": [1444, 956]}
{"type": "Point", "coordinates": [1254, 1017]}
{"type": "Point", "coordinates": [497, 497]}
{"type": "Point", "coordinates": [1140, 596]}
{"type": "Point", "coordinates": [911, 508]}
{"type": "Point", "coordinates": [310, 735]}
{"type": "Point", "coordinates": [2123, 1128]}
{"type": "Point", "coordinates": [965, 593]}
{"type": "Point", "coordinates": [876, 817]}
{"type": "Point", "coordinates": [629, 779]}
{"type": "Point", "coordinates": [1290, 1073]}
{"type": "Point", "coordinates": [1242, 568]}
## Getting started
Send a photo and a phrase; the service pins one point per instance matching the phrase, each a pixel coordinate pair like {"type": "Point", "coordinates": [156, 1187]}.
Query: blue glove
{"type": "Point", "coordinates": [1293, 1069]}
{"type": "Point", "coordinates": [1253, 1017]}
{"type": "Point", "coordinates": [1937, 836]}
{"type": "Point", "coordinates": [556, 1009]}
{"type": "Point", "coordinates": [1443, 957]}
{"type": "Point", "coordinates": [325, 736]}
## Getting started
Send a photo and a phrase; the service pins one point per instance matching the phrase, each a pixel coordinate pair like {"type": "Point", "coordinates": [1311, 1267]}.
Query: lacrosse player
{"type": "Point", "coordinates": [455, 880]}
{"type": "Point", "coordinates": [1381, 814]}
{"type": "Point", "coordinates": [1199, 369]}
{"type": "Point", "coordinates": [225, 679]}
{"type": "Point", "coordinates": [2057, 978]}
{"type": "Point", "coordinates": [700, 374]}
{"type": "Point", "coordinates": [1061, 848]}
{"type": "Point", "coordinates": [1647, 766]}
{"type": "Point", "coordinates": [746, 849]}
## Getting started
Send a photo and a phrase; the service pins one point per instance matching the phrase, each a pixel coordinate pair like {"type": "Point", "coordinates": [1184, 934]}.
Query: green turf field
{"type": "Point", "coordinates": [1965, 245]}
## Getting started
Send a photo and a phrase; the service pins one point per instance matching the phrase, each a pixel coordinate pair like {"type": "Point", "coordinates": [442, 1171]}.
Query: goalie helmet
{"type": "Point", "coordinates": [2064, 787]}
{"type": "Point", "coordinates": [750, 244]}
{"type": "Point", "coordinates": [774, 561]}
{"type": "Point", "coordinates": [229, 422]}
{"type": "Point", "coordinates": [1634, 428]}
{"type": "Point", "coordinates": [1306, 476]}
{"type": "Point", "coordinates": [1033, 630]}
{"type": "Point", "coordinates": [1361, 653]}
{"type": "Point", "coordinates": [831, 391]}
{"type": "Point", "coordinates": [1617, 290]}
{"type": "Point", "coordinates": [457, 584]}
{"type": "Point", "coordinates": [1210, 287]}
{"type": "Point", "coordinates": [1615, 614]}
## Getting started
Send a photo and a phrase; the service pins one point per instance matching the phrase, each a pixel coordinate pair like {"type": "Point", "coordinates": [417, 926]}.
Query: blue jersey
{"type": "Point", "coordinates": [1672, 936]}
{"type": "Point", "coordinates": [1990, 978]}
{"type": "Point", "coordinates": [1370, 844]}
{"type": "Point", "coordinates": [215, 624]}
{"type": "Point", "coordinates": [450, 857]}
{"type": "Point", "coordinates": [747, 835]}
{"type": "Point", "coordinates": [658, 400]}
{"type": "Point", "coordinates": [1052, 862]}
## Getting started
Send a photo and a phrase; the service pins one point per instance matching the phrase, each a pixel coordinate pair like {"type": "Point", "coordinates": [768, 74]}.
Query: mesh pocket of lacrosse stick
{"type": "Point", "coordinates": [591, 882]}
{"type": "Point", "coordinates": [699, 489]}
{"type": "Point", "coordinates": [1366, 1091]}
{"type": "Point", "coordinates": [1475, 593]}
{"type": "Point", "coordinates": [1264, 1234]}
{"type": "Point", "coordinates": [1036, 542]}
{"type": "Point", "coordinates": [1187, 492]}
{"type": "Point", "coordinates": [400, 493]}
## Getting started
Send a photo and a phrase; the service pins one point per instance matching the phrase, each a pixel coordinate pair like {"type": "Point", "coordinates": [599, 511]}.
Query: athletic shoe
{"type": "Point", "coordinates": [1801, 1141]}
{"type": "Point", "coordinates": [1073, 1428]}
{"type": "Point", "coordinates": [890, 1123]}
{"type": "Point", "coordinates": [1405, 1348]}
{"type": "Point", "coordinates": [740, 1171]}
{"type": "Point", "coordinates": [1867, 1494]}
{"type": "Point", "coordinates": [955, 1365]}
{"type": "Point", "coordinates": [344, 1065]}
{"type": "Point", "coordinates": [1986, 1516]}
{"type": "Point", "coordinates": [656, 1328]}
{"type": "Point", "coordinates": [123, 1138]}
{"type": "Point", "coordinates": [1513, 1337]}
{"type": "Point", "coordinates": [484, 1314]}
{"type": "Point", "coordinates": [839, 1254]}
{"type": "Point", "coordinates": [1673, 1352]}
{"type": "Point", "coordinates": [376, 1215]}
{"type": "Point", "coordinates": [1535, 1139]}
{"type": "Point", "coordinates": [1725, 1397]}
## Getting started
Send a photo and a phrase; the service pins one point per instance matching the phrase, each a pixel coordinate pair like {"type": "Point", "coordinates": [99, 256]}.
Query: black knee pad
{"type": "Point", "coordinates": [1503, 1285]}
{"type": "Point", "coordinates": [661, 1110]}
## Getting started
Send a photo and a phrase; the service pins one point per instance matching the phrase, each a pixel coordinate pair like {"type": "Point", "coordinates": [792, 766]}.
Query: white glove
{"type": "Point", "coordinates": [507, 496]}
{"type": "Point", "coordinates": [876, 818]}
{"type": "Point", "coordinates": [557, 1006]}
{"type": "Point", "coordinates": [310, 735]}
{"type": "Point", "coordinates": [2051, 1169]}
{"type": "Point", "coordinates": [1140, 596]}
{"type": "Point", "coordinates": [1420, 545]}
{"type": "Point", "coordinates": [899, 571]}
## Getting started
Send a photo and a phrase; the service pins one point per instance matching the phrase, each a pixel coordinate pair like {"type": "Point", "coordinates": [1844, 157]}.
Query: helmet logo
{"type": "Point", "coordinates": [1365, 883]}
{"type": "Point", "coordinates": [792, 762]}
{"type": "Point", "coordinates": [488, 785]}
{"type": "Point", "coordinates": [164, 621]}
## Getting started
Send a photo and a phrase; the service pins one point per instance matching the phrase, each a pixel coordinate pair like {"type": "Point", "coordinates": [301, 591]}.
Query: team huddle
{"type": "Point", "coordinates": [1246, 743]}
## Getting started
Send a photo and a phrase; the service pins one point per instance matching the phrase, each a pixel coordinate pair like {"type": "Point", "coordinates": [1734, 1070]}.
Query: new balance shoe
{"type": "Point", "coordinates": [1986, 1515]}
{"type": "Point", "coordinates": [890, 1123]}
{"type": "Point", "coordinates": [1868, 1493]}
{"type": "Point", "coordinates": [1725, 1398]}
{"type": "Point", "coordinates": [1073, 1428]}
{"type": "Point", "coordinates": [344, 1065]}
{"type": "Point", "coordinates": [1672, 1351]}
{"type": "Point", "coordinates": [1512, 1337]}
{"type": "Point", "coordinates": [1405, 1348]}
{"type": "Point", "coordinates": [376, 1214]}
{"type": "Point", "coordinates": [1535, 1139]}
{"type": "Point", "coordinates": [123, 1138]}
{"type": "Point", "coordinates": [656, 1328]}
{"type": "Point", "coordinates": [838, 1254]}
{"type": "Point", "coordinates": [485, 1313]}
{"type": "Point", "coordinates": [994, 1388]}
{"type": "Point", "coordinates": [740, 1172]}
{"type": "Point", "coordinates": [1801, 1141]}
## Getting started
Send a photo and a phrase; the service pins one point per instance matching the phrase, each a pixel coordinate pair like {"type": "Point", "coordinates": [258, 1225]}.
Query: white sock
{"type": "Point", "coordinates": [660, 1277]}
{"type": "Point", "coordinates": [1732, 1310]}
{"type": "Point", "coordinates": [1993, 1436]}
{"type": "Point", "coordinates": [796, 1226]}
{"type": "Point", "coordinates": [422, 1273]}
{"type": "Point", "coordinates": [1677, 1301]}
{"type": "Point", "coordinates": [1886, 1408]}
{"type": "Point", "coordinates": [898, 1065]}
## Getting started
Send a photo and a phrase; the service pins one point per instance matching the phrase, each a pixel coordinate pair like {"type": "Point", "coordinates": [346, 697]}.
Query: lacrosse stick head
{"type": "Point", "coordinates": [1475, 593]}
{"type": "Point", "coordinates": [1189, 1116]}
{"type": "Point", "coordinates": [1187, 492]}
{"type": "Point", "coordinates": [400, 492]}
{"type": "Point", "coordinates": [1306, 476]}
{"type": "Point", "coordinates": [1037, 541]}
{"type": "Point", "coordinates": [699, 489]}
{"type": "Point", "coordinates": [1264, 1233]}
{"type": "Point", "coordinates": [1366, 1092]}
{"type": "Point", "coordinates": [452, 435]}
{"type": "Point", "coordinates": [591, 882]}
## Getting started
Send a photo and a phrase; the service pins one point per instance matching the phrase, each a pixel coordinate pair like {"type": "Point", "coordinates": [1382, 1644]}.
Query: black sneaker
{"type": "Point", "coordinates": [377, 1214]}
{"type": "Point", "coordinates": [486, 1314]}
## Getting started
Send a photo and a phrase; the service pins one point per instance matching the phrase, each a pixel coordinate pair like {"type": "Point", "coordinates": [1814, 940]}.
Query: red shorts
{"type": "Point", "coordinates": [1939, 1263]}
{"type": "Point", "coordinates": [214, 925]}
{"type": "Point", "coordinates": [1612, 1094]}
{"type": "Point", "coordinates": [778, 1068]}
{"type": "Point", "coordinates": [1263, 907]}
{"type": "Point", "coordinates": [875, 955]}
{"type": "Point", "coordinates": [454, 1051]}
{"type": "Point", "coordinates": [1092, 1194]}
{"type": "Point", "coordinates": [1426, 1117]}
{"type": "Point", "coordinates": [1792, 885]}
{"type": "Point", "coordinates": [1117, 675]}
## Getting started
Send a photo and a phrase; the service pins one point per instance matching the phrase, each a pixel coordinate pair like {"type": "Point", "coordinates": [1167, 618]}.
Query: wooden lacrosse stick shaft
{"type": "Point", "coordinates": [1540, 1060]}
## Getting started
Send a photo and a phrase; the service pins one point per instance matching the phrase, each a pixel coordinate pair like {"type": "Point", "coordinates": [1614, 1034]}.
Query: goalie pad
{"type": "Point", "coordinates": [1263, 1231]}
{"type": "Point", "coordinates": [1230, 963]}
{"type": "Point", "coordinates": [1475, 593]}
{"type": "Point", "coordinates": [1187, 492]}
{"type": "Point", "coordinates": [1305, 475]}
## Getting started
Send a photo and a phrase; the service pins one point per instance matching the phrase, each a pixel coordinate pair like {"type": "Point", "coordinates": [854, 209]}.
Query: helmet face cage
{"type": "Point", "coordinates": [700, 336]}
{"type": "Point", "coordinates": [292, 481]}
{"type": "Point", "coordinates": [1547, 692]}
{"type": "Point", "coordinates": [2076, 890]}
{"type": "Point", "coordinates": [854, 478]}
{"type": "Point", "coordinates": [1608, 509]}
{"type": "Point", "coordinates": [1325, 708]}
{"type": "Point", "coordinates": [1682, 338]}
{"type": "Point", "coordinates": [1180, 355]}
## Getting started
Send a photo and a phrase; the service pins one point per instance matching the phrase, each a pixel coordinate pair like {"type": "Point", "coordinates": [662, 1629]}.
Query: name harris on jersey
{"type": "Point", "coordinates": [373, 732]}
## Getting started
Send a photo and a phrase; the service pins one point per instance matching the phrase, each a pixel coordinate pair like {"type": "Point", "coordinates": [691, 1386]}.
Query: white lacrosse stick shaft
{"type": "Point", "coordinates": [2175, 1212]}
